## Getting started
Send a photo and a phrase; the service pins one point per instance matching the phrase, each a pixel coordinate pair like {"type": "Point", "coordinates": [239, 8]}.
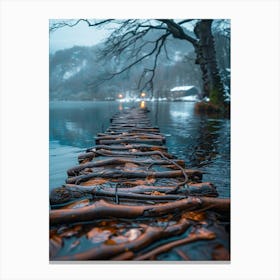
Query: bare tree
{"type": "Point", "coordinates": [133, 37]}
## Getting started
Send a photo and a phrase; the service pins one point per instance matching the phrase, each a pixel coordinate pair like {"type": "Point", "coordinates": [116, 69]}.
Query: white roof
{"type": "Point", "coordinates": [181, 88]}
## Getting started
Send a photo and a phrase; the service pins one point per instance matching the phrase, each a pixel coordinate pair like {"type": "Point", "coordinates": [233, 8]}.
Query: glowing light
{"type": "Point", "coordinates": [143, 94]}
{"type": "Point", "coordinates": [120, 96]}
{"type": "Point", "coordinates": [142, 104]}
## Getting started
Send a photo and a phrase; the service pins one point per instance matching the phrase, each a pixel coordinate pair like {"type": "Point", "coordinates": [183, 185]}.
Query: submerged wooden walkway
{"type": "Point", "coordinates": [129, 199]}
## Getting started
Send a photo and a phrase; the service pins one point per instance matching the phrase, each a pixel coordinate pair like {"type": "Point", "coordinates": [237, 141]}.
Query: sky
{"type": "Point", "coordinates": [81, 35]}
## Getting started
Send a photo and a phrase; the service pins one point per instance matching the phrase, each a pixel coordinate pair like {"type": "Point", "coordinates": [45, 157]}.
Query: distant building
{"type": "Point", "coordinates": [184, 93]}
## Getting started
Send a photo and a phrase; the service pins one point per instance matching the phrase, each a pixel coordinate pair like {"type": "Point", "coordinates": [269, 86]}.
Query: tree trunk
{"type": "Point", "coordinates": [206, 58]}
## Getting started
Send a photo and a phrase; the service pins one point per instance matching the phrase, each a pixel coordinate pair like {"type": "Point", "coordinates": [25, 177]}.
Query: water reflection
{"type": "Point", "coordinates": [202, 142]}
{"type": "Point", "coordinates": [204, 148]}
{"type": "Point", "coordinates": [120, 107]}
{"type": "Point", "coordinates": [143, 104]}
{"type": "Point", "coordinates": [76, 123]}
{"type": "Point", "coordinates": [177, 114]}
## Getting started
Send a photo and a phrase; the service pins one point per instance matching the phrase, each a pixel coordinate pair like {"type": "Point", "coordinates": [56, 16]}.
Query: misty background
{"type": "Point", "coordinates": [77, 68]}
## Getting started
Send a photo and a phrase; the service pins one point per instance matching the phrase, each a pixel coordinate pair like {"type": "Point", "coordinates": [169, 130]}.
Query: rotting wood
{"type": "Point", "coordinates": [119, 161]}
{"type": "Point", "coordinates": [102, 209]}
{"type": "Point", "coordinates": [132, 140]}
{"type": "Point", "coordinates": [103, 152]}
{"type": "Point", "coordinates": [140, 148]}
{"type": "Point", "coordinates": [70, 192]}
{"type": "Point", "coordinates": [192, 174]}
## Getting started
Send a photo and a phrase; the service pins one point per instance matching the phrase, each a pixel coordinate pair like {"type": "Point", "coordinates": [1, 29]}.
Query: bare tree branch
{"type": "Point", "coordinates": [177, 31]}
{"type": "Point", "coordinates": [185, 21]}
{"type": "Point", "coordinates": [62, 24]}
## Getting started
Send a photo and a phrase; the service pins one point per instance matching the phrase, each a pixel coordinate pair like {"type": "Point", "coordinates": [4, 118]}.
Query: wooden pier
{"type": "Point", "coordinates": [129, 199]}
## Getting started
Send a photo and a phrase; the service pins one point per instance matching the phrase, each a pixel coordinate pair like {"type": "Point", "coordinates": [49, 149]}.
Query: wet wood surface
{"type": "Point", "coordinates": [129, 199]}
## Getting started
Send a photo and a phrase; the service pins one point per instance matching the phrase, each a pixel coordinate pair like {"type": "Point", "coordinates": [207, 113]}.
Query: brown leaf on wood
{"type": "Point", "coordinates": [195, 216]}
{"type": "Point", "coordinates": [97, 235]}
{"type": "Point", "coordinates": [157, 193]}
{"type": "Point", "coordinates": [150, 180]}
{"type": "Point", "coordinates": [132, 234]}
{"type": "Point", "coordinates": [93, 182]}
{"type": "Point", "coordinates": [204, 233]}
{"type": "Point", "coordinates": [130, 166]}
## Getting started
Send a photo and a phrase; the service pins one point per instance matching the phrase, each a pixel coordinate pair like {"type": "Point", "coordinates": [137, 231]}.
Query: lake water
{"type": "Point", "coordinates": [203, 142]}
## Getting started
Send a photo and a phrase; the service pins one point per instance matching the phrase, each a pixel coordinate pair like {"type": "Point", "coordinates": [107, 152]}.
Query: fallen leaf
{"type": "Point", "coordinates": [157, 193]}
{"type": "Point", "coordinates": [98, 235]}
{"type": "Point", "coordinates": [132, 234]}
{"type": "Point", "coordinates": [195, 216]}
{"type": "Point", "coordinates": [150, 180]}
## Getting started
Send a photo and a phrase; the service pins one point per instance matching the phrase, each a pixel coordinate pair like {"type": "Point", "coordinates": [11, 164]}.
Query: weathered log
{"type": "Point", "coordinates": [128, 133]}
{"type": "Point", "coordinates": [118, 161]}
{"type": "Point", "coordinates": [131, 140]}
{"type": "Point", "coordinates": [192, 175]}
{"type": "Point", "coordinates": [70, 192]}
{"type": "Point", "coordinates": [220, 205]}
{"type": "Point", "coordinates": [201, 234]}
{"type": "Point", "coordinates": [131, 136]}
{"type": "Point", "coordinates": [102, 152]}
{"type": "Point", "coordinates": [131, 123]}
{"type": "Point", "coordinates": [137, 196]}
{"type": "Point", "coordinates": [134, 153]}
{"type": "Point", "coordinates": [102, 209]}
{"type": "Point", "coordinates": [140, 148]}
{"type": "Point", "coordinates": [152, 234]}
{"type": "Point", "coordinates": [121, 193]}
{"type": "Point", "coordinates": [119, 130]}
